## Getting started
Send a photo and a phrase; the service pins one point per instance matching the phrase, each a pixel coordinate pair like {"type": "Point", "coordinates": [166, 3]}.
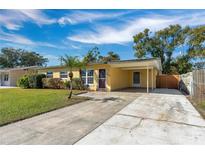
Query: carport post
{"type": "Point", "coordinates": [147, 79]}
{"type": "Point", "coordinates": [152, 78]}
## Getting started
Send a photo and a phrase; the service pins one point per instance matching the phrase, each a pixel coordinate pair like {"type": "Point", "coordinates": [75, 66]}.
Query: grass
{"type": "Point", "coordinates": [200, 106]}
{"type": "Point", "coordinates": [17, 104]}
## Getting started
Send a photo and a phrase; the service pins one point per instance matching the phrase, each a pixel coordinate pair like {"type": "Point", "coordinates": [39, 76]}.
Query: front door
{"type": "Point", "coordinates": [136, 79]}
{"type": "Point", "coordinates": [6, 79]}
{"type": "Point", "coordinates": [102, 78]}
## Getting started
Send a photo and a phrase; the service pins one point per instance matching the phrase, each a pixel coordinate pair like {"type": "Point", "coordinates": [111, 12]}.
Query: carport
{"type": "Point", "coordinates": [138, 73]}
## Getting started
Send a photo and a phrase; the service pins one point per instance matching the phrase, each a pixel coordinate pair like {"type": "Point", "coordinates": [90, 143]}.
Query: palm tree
{"type": "Point", "coordinates": [81, 65]}
{"type": "Point", "coordinates": [70, 62]}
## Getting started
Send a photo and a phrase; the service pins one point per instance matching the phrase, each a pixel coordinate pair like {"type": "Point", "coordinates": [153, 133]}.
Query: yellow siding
{"type": "Point", "coordinates": [56, 72]}
{"type": "Point", "coordinates": [119, 78]}
{"type": "Point", "coordinates": [143, 77]}
{"type": "Point", "coordinates": [116, 78]}
{"type": "Point", "coordinates": [96, 76]}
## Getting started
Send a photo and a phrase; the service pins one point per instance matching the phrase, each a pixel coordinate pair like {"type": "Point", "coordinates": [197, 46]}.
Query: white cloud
{"type": "Point", "coordinates": [38, 17]}
{"type": "Point", "coordinates": [14, 19]}
{"type": "Point", "coordinates": [75, 46]}
{"type": "Point", "coordinates": [18, 39]}
{"type": "Point", "coordinates": [85, 16]}
{"type": "Point", "coordinates": [124, 34]}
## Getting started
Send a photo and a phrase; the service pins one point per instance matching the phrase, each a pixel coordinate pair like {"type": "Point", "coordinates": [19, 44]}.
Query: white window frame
{"type": "Point", "coordinates": [86, 77]}
{"type": "Point", "coordinates": [66, 73]}
{"type": "Point", "coordinates": [6, 77]}
{"type": "Point", "coordinates": [49, 76]}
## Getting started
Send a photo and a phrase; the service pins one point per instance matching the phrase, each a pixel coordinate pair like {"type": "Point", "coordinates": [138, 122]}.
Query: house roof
{"type": "Point", "coordinates": [156, 62]}
{"type": "Point", "coordinates": [19, 68]}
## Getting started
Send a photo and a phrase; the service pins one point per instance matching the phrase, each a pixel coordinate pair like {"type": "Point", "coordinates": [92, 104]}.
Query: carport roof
{"type": "Point", "coordinates": [137, 63]}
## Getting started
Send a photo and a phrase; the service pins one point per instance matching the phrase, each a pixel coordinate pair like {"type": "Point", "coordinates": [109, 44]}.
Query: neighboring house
{"type": "Point", "coordinates": [113, 75]}
{"type": "Point", "coordinates": [10, 76]}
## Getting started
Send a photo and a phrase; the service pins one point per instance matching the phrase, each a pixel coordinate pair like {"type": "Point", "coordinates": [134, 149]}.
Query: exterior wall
{"type": "Point", "coordinates": [119, 78]}
{"type": "Point", "coordinates": [116, 78]}
{"type": "Point", "coordinates": [124, 78]}
{"type": "Point", "coordinates": [56, 72]}
{"type": "Point", "coordinates": [14, 76]}
{"type": "Point", "coordinates": [96, 68]}
{"type": "Point", "coordinates": [143, 77]}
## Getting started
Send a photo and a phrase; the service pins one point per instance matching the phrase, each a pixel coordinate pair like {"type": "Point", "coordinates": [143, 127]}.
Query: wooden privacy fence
{"type": "Point", "coordinates": [198, 85]}
{"type": "Point", "coordinates": [168, 81]}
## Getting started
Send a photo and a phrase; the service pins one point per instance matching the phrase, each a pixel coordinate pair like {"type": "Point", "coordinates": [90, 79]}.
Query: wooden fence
{"type": "Point", "coordinates": [168, 81]}
{"type": "Point", "coordinates": [198, 85]}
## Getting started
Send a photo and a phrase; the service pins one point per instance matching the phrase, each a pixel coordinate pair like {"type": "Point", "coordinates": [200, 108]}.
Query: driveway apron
{"type": "Point", "coordinates": [162, 117]}
{"type": "Point", "coordinates": [69, 124]}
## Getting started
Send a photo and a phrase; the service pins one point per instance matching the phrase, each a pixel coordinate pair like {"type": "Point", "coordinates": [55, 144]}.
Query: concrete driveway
{"type": "Point", "coordinates": [162, 117]}
{"type": "Point", "coordinates": [69, 124]}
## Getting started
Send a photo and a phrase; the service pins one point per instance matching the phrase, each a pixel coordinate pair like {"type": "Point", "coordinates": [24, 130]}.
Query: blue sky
{"type": "Point", "coordinates": [54, 33]}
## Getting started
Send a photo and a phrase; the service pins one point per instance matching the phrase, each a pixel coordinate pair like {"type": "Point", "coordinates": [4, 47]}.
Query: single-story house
{"type": "Point", "coordinates": [10, 76]}
{"type": "Point", "coordinates": [113, 75]}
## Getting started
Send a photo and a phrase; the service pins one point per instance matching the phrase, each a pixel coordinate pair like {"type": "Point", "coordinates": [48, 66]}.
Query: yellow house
{"type": "Point", "coordinates": [113, 75]}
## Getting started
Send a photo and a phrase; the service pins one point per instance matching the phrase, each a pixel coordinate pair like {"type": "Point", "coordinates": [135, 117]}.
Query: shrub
{"type": "Point", "coordinates": [77, 84]}
{"type": "Point", "coordinates": [31, 81]}
{"type": "Point", "coordinates": [67, 84]}
{"type": "Point", "coordinates": [23, 82]}
{"type": "Point", "coordinates": [54, 83]}
{"type": "Point", "coordinates": [57, 83]}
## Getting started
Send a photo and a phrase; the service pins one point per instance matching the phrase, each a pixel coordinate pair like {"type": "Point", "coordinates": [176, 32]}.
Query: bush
{"type": "Point", "coordinates": [67, 84]}
{"type": "Point", "coordinates": [77, 84]}
{"type": "Point", "coordinates": [23, 82]}
{"type": "Point", "coordinates": [57, 83]}
{"type": "Point", "coordinates": [53, 83]}
{"type": "Point", "coordinates": [31, 81]}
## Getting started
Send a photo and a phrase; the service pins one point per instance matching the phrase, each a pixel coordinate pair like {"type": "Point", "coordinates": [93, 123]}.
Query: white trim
{"type": "Point", "coordinates": [86, 77]}
{"type": "Point", "coordinates": [147, 79]}
{"type": "Point", "coordinates": [152, 78]}
{"type": "Point", "coordinates": [102, 78]}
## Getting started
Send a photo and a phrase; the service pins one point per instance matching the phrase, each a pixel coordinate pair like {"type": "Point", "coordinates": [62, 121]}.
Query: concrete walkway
{"type": "Point", "coordinates": [69, 124]}
{"type": "Point", "coordinates": [162, 117]}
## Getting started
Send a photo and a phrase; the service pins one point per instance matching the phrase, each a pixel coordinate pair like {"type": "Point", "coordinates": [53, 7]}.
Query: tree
{"type": "Point", "coordinates": [92, 56]}
{"type": "Point", "coordinates": [70, 62]}
{"type": "Point", "coordinates": [111, 56]}
{"type": "Point", "coordinates": [181, 65]}
{"type": "Point", "coordinates": [160, 44]}
{"type": "Point", "coordinates": [10, 57]}
{"type": "Point", "coordinates": [196, 42]}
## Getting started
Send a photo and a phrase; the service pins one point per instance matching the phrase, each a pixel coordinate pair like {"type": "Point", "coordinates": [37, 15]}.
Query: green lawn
{"type": "Point", "coordinates": [17, 104]}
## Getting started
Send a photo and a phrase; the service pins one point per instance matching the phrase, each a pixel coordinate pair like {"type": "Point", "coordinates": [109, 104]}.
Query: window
{"type": "Point", "coordinates": [63, 75]}
{"type": "Point", "coordinates": [90, 77]}
{"type": "Point", "coordinates": [49, 74]}
{"type": "Point", "coordinates": [6, 77]}
{"type": "Point", "coordinates": [83, 73]}
{"type": "Point", "coordinates": [87, 76]}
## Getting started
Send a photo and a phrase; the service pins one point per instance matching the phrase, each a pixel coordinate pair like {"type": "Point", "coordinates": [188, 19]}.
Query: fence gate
{"type": "Point", "coordinates": [168, 81]}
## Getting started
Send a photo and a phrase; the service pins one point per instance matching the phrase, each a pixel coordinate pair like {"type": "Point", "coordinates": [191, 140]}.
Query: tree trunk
{"type": "Point", "coordinates": [81, 79]}
{"type": "Point", "coordinates": [71, 89]}
{"type": "Point", "coordinates": [71, 84]}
